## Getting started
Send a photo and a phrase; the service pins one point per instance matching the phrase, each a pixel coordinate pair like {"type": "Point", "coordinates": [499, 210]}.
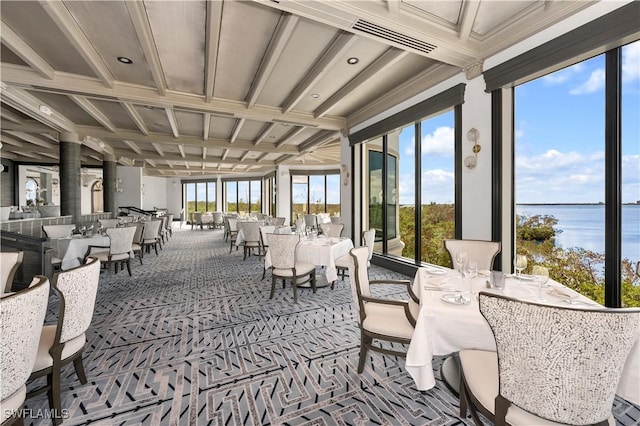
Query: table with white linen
{"type": "Point", "coordinates": [320, 251]}
{"type": "Point", "coordinates": [444, 328]}
{"type": "Point", "coordinates": [278, 230]}
{"type": "Point", "coordinates": [72, 250]}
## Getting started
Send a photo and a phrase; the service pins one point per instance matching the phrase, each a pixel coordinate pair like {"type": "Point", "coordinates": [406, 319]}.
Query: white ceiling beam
{"type": "Point", "coordinates": [290, 134]}
{"type": "Point", "coordinates": [262, 157]}
{"type": "Point", "coordinates": [93, 111]}
{"type": "Point", "coordinates": [27, 154]}
{"type": "Point", "coordinates": [158, 148]}
{"type": "Point", "coordinates": [173, 122]}
{"type": "Point", "coordinates": [135, 148]}
{"type": "Point", "coordinates": [151, 162]}
{"type": "Point", "coordinates": [59, 13]}
{"type": "Point", "coordinates": [26, 103]}
{"type": "Point", "coordinates": [25, 52]}
{"type": "Point", "coordinates": [135, 136]}
{"type": "Point", "coordinates": [331, 55]}
{"type": "Point", "coordinates": [50, 155]}
{"type": "Point", "coordinates": [318, 140]}
{"type": "Point", "coordinates": [389, 58]}
{"type": "Point", "coordinates": [6, 139]}
{"type": "Point", "coordinates": [206, 124]}
{"type": "Point", "coordinates": [236, 130]}
{"type": "Point", "coordinates": [140, 21]}
{"type": "Point", "coordinates": [224, 154]}
{"type": "Point", "coordinates": [136, 94]}
{"type": "Point", "coordinates": [278, 42]}
{"type": "Point", "coordinates": [264, 133]}
{"type": "Point", "coordinates": [33, 139]}
{"type": "Point", "coordinates": [469, 12]}
{"type": "Point", "coordinates": [181, 149]}
{"type": "Point", "coordinates": [212, 39]}
{"type": "Point", "coordinates": [204, 152]}
{"type": "Point", "coordinates": [244, 156]}
{"type": "Point", "coordinates": [393, 6]}
{"type": "Point", "coordinates": [137, 118]}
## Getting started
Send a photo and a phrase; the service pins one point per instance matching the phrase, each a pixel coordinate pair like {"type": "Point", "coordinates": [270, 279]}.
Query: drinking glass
{"type": "Point", "coordinates": [520, 263]}
{"type": "Point", "coordinates": [540, 277]}
{"type": "Point", "coordinates": [461, 259]}
{"type": "Point", "coordinates": [470, 272]}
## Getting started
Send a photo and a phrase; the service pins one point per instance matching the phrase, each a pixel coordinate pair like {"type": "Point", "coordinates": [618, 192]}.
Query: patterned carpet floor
{"type": "Point", "coordinates": [192, 338]}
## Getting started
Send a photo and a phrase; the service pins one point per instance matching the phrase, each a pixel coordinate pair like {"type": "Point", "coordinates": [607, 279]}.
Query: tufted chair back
{"type": "Point", "coordinates": [121, 239]}
{"type": "Point", "coordinates": [482, 252]}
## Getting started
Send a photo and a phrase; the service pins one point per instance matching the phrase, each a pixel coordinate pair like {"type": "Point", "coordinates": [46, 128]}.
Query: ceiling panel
{"type": "Point", "coordinates": [189, 123]}
{"type": "Point", "coordinates": [71, 110]}
{"type": "Point", "coordinates": [9, 57]}
{"type": "Point", "coordinates": [448, 11]}
{"type": "Point", "coordinates": [221, 127]}
{"type": "Point", "coordinates": [489, 16]}
{"type": "Point", "coordinates": [155, 118]}
{"type": "Point", "coordinates": [114, 111]}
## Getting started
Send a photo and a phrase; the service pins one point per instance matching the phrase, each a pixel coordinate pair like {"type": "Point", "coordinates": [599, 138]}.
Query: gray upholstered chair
{"type": "Point", "coordinates": [390, 320]}
{"type": "Point", "coordinates": [150, 235]}
{"type": "Point", "coordinates": [332, 230]}
{"type": "Point", "coordinates": [119, 250]}
{"type": "Point", "coordinates": [282, 249]}
{"type": "Point", "coordinates": [311, 221]}
{"type": "Point", "coordinates": [336, 219]}
{"type": "Point", "coordinates": [218, 221]}
{"type": "Point", "coordinates": [22, 317]}
{"type": "Point", "coordinates": [64, 342]}
{"type": "Point", "coordinates": [553, 364]}
{"type": "Point", "coordinates": [252, 239]}
{"type": "Point", "coordinates": [58, 231]}
{"type": "Point", "coordinates": [197, 220]}
{"type": "Point", "coordinates": [10, 261]}
{"type": "Point", "coordinates": [481, 252]}
{"type": "Point", "coordinates": [232, 222]}
{"type": "Point", "coordinates": [169, 225]}
{"type": "Point", "coordinates": [136, 245]}
{"type": "Point", "coordinates": [342, 263]}
{"type": "Point", "coordinates": [264, 242]}
{"type": "Point", "coordinates": [109, 223]}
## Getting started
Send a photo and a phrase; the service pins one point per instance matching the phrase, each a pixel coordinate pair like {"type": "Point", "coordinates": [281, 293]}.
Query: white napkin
{"type": "Point", "coordinates": [558, 292]}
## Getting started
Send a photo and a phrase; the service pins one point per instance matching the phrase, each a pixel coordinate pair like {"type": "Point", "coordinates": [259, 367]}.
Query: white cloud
{"type": "Point", "coordinates": [440, 142]}
{"type": "Point", "coordinates": [593, 84]}
{"type": "Point", "coordinates": [631, 62]}
{"type": "Point", "coordinates": [564, 75]}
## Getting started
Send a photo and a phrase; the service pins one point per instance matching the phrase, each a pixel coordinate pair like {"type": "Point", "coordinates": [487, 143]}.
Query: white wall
{"type": "Point", "coordinates": [283, 194]}
{"type": "Point", "coordinates": [131, 196]}
{"type": "Point", "coordinates": [173, 196]}
{"type": "Point", "coordinates": [154, 192]}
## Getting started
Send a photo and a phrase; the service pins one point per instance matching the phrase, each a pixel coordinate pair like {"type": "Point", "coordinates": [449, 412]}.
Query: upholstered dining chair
{"type": "Point", "coordinates": [264, 242]}
{"type": "Point", "coordinates": [481, 252]}
{"type": "Point", "coordinates": [197, 220]}
{"type": "Point", "coordinates": [58, 231]}
{"type": "Point", "coordinates": [10, 261]}
{"type": "Point", "coordinates": [390, 320]}
{"type": "Point", "coordinates": [64, 342]}
{"type": "Point", "coordinates": [311, 221]}
{"type": "Point", "coordinates": [169, 225]}
{"type": "Point", "coordinates": [342, 263]}
{"type": "Point", "coordinates": [218, 220]}
{"type": "Point", "coordinates": [252, 239]}
{"type": "Point", "coordinates": [150, 235]}
{"type": "Point", "coordinates": [282, 249]}
{"type": "Point", "coordinates": [136, 245]}
{"type": "Point", "coordinates": [233, 232]}
{"type": "Point", "coordinates": [21, 319]}
{"type": "Point", "coordinates": [553, 365]}
{"type": "Point", "coordinates": [336, 219]}
{"type": "Point", "coordinates": [109, 223]}
{"type": "Point", "coordinates": [119, 250]}
{"type": "Point", "coordinates": [332, 230]}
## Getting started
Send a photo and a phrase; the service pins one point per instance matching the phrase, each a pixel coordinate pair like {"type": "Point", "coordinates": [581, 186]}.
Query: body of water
{"type": "Point", "coordinates": [583, 226]}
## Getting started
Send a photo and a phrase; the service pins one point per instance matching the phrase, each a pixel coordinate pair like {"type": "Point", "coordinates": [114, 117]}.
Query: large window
{"type": "Point", "coordinates": [561, 166]}
{"type": "Point", "coordinates": [243, 196]}
{"type": "Point", "coordinates": [393, 192]}
{"type": "Point", "coordinates": [315, 193]}
{"type": "Point", "coordinates": [199, 197]}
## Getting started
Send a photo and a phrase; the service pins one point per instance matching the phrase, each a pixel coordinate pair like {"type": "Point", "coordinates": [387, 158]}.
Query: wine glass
{"type": "Point", "coordinates": [520, 263]}
{"type": "Point", "coordinates": [461, 259]}
{"type": "Point", "coordinates": [540, 277]}
{"type": "Point", "coordinates": [470, 271]}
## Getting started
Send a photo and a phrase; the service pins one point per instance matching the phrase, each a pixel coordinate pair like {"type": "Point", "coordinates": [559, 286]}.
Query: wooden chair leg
{"type": "Point", "coordinates": [77, 364]}
{"type": "Point", "coordinates": [128, 261]}
{"type": "Point", "coordinates": [364, 342]}
{"type": "Point", "coordinates": [273, 287]}
{"type": "Point", "coordinates": [55, 399]}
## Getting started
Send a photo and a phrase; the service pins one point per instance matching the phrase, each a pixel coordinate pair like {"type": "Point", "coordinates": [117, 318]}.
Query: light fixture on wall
{"type": "Point", "coordinates": [142, 190]}
{"type": "Point", "coordinates": [471, 161]}
{"type": "Point", "coordinates": [345, 174]}
{"type": "Point", "coordinates": [118, 185]}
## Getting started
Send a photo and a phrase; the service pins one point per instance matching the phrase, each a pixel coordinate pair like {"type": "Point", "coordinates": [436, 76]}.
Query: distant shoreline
{"type": "Point", "coordinates": [571, 204]}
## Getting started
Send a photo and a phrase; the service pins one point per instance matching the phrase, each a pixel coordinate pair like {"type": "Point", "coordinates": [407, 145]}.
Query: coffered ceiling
{"type": "Point", "coordinates": [217, 87]}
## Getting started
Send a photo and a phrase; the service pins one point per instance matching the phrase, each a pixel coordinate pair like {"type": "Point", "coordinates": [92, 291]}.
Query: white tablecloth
{"type": "Point", "coordinates": [72, 250]}
{"type": "Point", "coordinates": [443, 328]}
{"type": "Point", "coordinates": [320, 251]}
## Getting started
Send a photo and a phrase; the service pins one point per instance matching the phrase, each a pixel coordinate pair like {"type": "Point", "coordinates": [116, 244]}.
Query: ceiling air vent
{"type": "Point", "coordinates": [393, 36]}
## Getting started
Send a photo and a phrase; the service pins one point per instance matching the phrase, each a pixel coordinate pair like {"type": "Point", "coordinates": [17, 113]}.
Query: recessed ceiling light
{"type": "Point", "coordinates": [125, 60]}
{"type": "Point", "coordinates": [148, 106]}
{"type": "Point", "coordinates": [353, 60]}
{"type": "Point", "coordinates": [315, 96]}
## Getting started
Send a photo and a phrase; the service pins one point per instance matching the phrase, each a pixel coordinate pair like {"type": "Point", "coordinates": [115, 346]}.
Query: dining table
{"type": "Point", "coordinates": [320, 251]}
{"type": "Point", "coordinates": [448, 323]}
{"type": "Point", "coordinates": [73, 249]}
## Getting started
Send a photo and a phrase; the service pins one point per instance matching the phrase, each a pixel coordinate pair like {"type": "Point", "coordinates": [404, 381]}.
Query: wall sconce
{"type": "Point", "coordinates": [471, 161]}
{"type": "Point", "coordinates": [118, 186]}
{"type": "Point", "coordinates": [142, 191]}
{"type": "Point", "coordinates": [345, 174]}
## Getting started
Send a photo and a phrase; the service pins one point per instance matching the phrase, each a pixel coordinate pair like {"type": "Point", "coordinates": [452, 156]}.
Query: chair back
{"type": "Point", "coordinates": [109, 223]}
{"type": "Point", "coordinates": [332, 230]}
{"type": "Point", "coordinates": [217, 218]}
{"type": "Point", "coordinates": [369, 239]}
{"type": "Point", "coordinates": [233, 224]}
{"type": "Point", "coordinates": [197, 218]}
{"type": "Point", "coordinates": [282, 248]}
{"type": "Point", "coordinates": [207, 218]}
{"type": "Point", "coordinates": [137, 236]}
{"type": "Point", "coordinates": [125, 219]}
{"type": "Point", "coordinates": [481, 252]}
{"type": "Point", "coordinates": [300, 224]}
{"type": "Point", "coordinates": [336, 219]}
{"type": "Point", "coordinates": [121, 239]}
{"type": "Point", "coordinates": [77, 288]}
{"type": "Point", "coordinates": [21, 320]}
{"type": "Point", "coordinates": [151, 229]}
{"type": "Point", "coordinates": [560, 363]}
{"type": "Point", "coordinates": [58, 231]}
{"type": "Point", "coordinates": [10, 261]}
{"type": "Point", "coordinates": [359, 273]}
{"type": "Point", "coordinates": [311, 220]}
{"type": "Point", "coordinates": [264, 231]}
{"type": "Point", "coordinates": [169, 221]}
{"type": "Point", "coordinates": [279, 221]}
{"type": "Point", "coordinates": [251, 231]}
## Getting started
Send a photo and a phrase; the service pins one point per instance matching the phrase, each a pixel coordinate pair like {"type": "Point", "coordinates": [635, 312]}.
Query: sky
{"type": "Point", "coordinates": [559, 122]}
